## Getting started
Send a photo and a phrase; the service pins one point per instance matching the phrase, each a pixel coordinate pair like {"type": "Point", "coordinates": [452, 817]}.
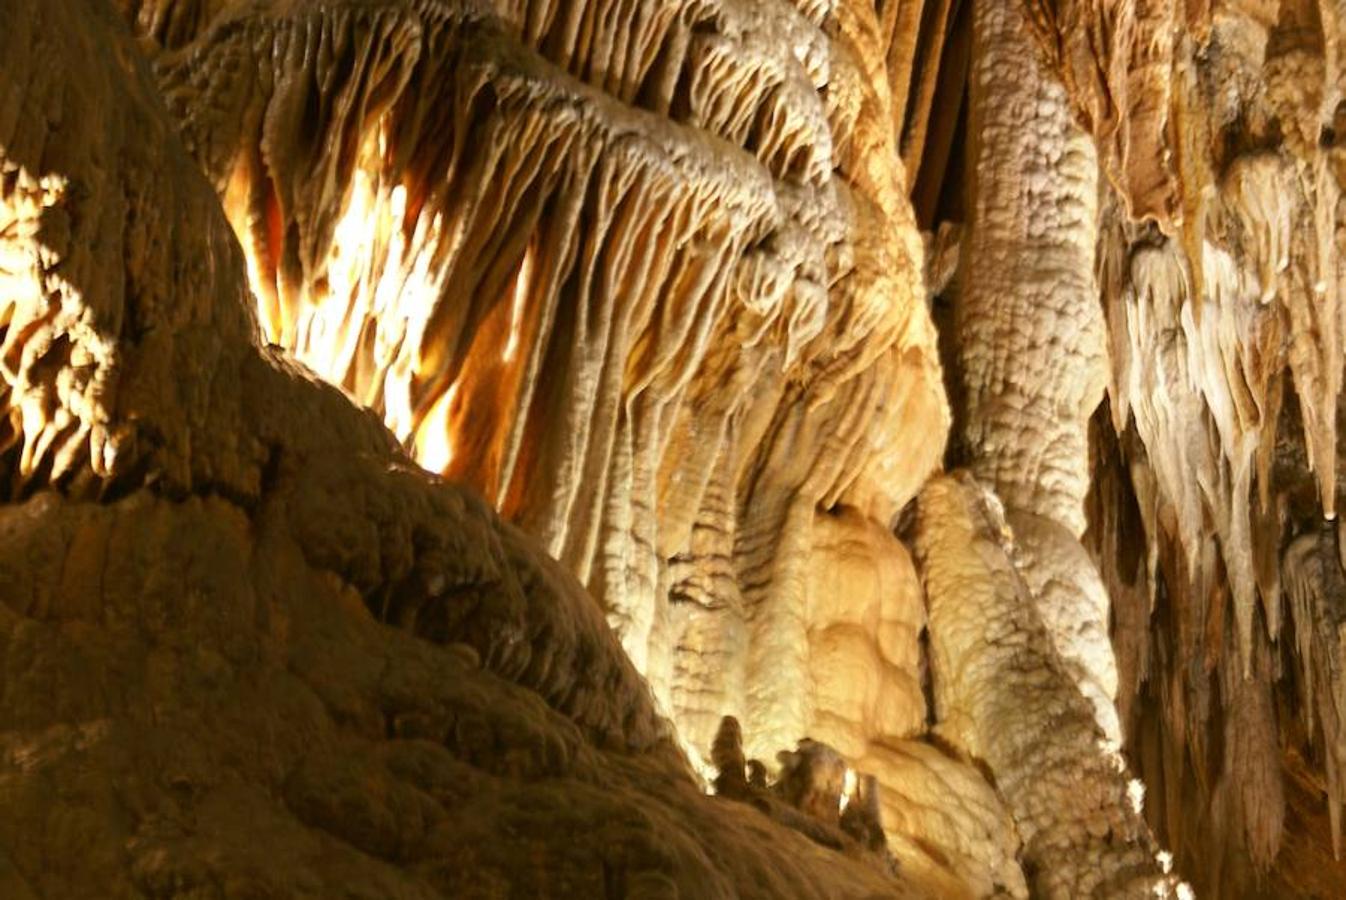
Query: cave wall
{"type": "Point", "coordinates": [644, 276]}
{"type": "Point", "coordinates": [700, 297]}
{"type": "Point", "coordinates": [247, 646]}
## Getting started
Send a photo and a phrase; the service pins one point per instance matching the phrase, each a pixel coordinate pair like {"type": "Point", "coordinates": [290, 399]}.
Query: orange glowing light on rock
{"type": "Point", "coordinates": [434, 441]}
{"type": "Point", "coordinates": [522, 282]}
{"type": "Point", "coordinates": [847, 790]}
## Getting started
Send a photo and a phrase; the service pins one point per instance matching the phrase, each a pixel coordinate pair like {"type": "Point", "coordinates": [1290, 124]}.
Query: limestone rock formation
{"type": "Point", "coordinates": [247, 647]}
{"type": "Point", "coordinates": [1003, 695]}
{"type": "Point", "coordinates": [945, 822]}
{"type": "Point", "coordinates": [695, 323]}
{"type": "Point", "coordinates": [442, 440]}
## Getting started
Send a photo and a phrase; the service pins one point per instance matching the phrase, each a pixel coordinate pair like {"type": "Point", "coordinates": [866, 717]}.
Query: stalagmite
{"type": "Point", "coordinates": [1004, 698]}
{"type": "Point", "coordinates": [702, 448]}
{"type": "Point", "coordinates": [1032, 355]}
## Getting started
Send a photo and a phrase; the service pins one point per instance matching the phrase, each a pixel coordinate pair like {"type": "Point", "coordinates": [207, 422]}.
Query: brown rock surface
{"type": "Point", "coordinates": [652, 286]}
{"type": "Point", "coordinates": [642, 274]}
{"type": "Point", "coordinates": [247, 648]}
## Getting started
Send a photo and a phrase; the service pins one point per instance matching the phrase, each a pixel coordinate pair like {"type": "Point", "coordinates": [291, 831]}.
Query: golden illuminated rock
{"type": "Point", "coordinates": [441, 440]}
{"type": "Point", "coordinates": [661, 305]}
{"type": "Point", "coordinates": [247, 646]}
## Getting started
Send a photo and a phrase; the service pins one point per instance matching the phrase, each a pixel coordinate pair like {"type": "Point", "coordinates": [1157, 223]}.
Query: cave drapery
{"type": "Point", "coordinates": [422, 422]}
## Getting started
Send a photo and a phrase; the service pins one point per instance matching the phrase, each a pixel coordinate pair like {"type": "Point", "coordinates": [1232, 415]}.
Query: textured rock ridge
{"type": "Point", "coordinates": [429, 428]}
{"type": "Point", "coordinates": [646, 277]}
{"type": "Point", "coordinates": [1003, 696]}
{"type": "Point", "coordinates": [1030, 334]}
{"type": "Point", "coordinates": [247, 647]}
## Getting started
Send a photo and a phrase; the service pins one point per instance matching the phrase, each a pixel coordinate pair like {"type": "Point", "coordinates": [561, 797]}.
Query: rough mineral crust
{"type": "Point", "coordinates": [247, 648]}
{"type": "Point", "coordinates": [653, 285]}
{"type": "Point", "coordinates": [1032, 355]}
{"type": "Point", "coordinates": [644, 274]}
{"type": "Point", "coordinates": [1003, 696]}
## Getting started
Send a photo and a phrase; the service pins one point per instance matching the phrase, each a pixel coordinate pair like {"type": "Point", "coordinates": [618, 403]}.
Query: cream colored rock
{"type": "Point", "coordinates": [1031, 338]}
{"type": "Point", "coordinates": [942, 817]}
{"type": "Point", "coordinates": [632, 277]}
{"type": "Point", "coordinates": [1030, 333]}
{"type": "Point", "coordinates": [1074, 607]}
{"type": "Point", "coordinates": [233, 612]}
{"type": "Point", "coordinates": [867, 612]}
{"type": "Point", "coordinates": [1003, 697]}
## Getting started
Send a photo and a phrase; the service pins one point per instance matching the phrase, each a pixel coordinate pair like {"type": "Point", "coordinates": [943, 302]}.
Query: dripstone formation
{"type": "Point", "coordinates": [455, 448]}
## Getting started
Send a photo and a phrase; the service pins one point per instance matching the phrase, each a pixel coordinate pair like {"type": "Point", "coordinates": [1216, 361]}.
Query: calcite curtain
{"type": "Point", "coordinates": [423, 422]}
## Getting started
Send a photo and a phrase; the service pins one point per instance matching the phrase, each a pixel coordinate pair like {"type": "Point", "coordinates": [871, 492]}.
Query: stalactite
{"type": "Point", "coordinates": [560, 309]}
{"type": "Point", "coordinates": [648, 277]}
{"type": "Point", "coordinates": [1224, 342]}
{"type": "Point", "coordinates": [249, 645]}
